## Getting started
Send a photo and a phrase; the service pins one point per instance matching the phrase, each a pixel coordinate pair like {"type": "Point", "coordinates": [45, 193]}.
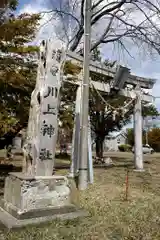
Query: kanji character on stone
{"type": "Point", "coordinates": [47, 129]}
{"type": "Point", "coordinates": [45, 154]}
{"type": "Point", "coordinates": [50, 110]}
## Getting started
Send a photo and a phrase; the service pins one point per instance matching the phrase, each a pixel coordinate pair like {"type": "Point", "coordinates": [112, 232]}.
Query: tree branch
{"type": "Point", "coordinates": [104, 7]}
{"type": "Point", "coordinates": [82, 14]}
{"type": "Point", "coordinates": [65, 13]}
{"type": "Point", "coordinates": [148, 18]}
{"type": "Point", "coordinates": [121, 25]}
{"type": "Point", "coordinates": [124, 47]}
{"type": "Point", "coordinates": [106, 11]}
{"type": "Point", "coordinates": [81, 29]}
{"type": "Point", "coordinates": [96, 4]}
{"type": "Point", "coordinates": [104, 34]}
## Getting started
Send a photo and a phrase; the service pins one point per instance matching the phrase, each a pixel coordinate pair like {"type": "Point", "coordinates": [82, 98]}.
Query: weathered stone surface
{"type": "Point", "coordinates": [11, 222]}
{"type": "Point", "coordinates": [23, 193]}
{"type": "Point", "coordinates": [37, 199]}
{"type": "Point", "coordinates": [39, 148]}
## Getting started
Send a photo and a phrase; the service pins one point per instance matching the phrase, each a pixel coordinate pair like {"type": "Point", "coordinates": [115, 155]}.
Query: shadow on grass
{"type": "Point", "coordinates": [64, 156]}
{"type": "Point", "coordinates": [124, 165]}
{"type": "Point", "coordinates": [67, 166]}
{"type": "Point", "coordinates": [124, 160]}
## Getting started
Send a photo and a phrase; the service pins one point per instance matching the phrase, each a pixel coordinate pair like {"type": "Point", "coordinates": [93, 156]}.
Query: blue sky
{"type": "Point", "coordinates": [23, 2]}
{"type": "Point", "coordinates": [140, 65]}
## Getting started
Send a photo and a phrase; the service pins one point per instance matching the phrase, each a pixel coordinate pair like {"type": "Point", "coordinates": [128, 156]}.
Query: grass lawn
{"type": "Point", "coordinates": [110, 216]}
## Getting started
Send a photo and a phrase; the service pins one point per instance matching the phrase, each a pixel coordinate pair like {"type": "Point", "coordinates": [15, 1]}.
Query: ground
{"type": "Point", "coordinates": [111, 216]}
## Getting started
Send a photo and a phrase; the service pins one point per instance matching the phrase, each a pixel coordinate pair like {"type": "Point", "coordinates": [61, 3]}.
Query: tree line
{"type": "Point", "coordinates": [18, 67]}
{"type": "Point", "coordinates": [152, 138]}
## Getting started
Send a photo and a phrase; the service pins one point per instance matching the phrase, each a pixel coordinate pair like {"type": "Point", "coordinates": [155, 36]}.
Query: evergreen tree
{"type": "Point", "coordinates": [17, 70]}
{"type": "Point", "coordinates": [6, 8]}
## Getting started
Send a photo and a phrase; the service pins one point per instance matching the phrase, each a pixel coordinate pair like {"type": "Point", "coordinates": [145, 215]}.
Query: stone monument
{"type": "Point", "coordinates": [35, 195]}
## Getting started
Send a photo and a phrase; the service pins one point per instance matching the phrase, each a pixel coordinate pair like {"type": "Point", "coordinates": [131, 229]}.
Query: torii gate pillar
{"type": "Point", "coordinates": [138, 154]}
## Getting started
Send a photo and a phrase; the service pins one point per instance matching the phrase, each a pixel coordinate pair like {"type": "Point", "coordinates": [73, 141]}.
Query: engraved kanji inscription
{"type": "Point", "coordinates": [51, 91]}
{"type": "Point", "coordinates": [59, 55]}
{"type": "Point", "coordinates": [50, 110]}
{"type": "Point", "coordinates": [47, 129]}
{"type": "Point", "coordinates": [54, 70]}
{"type": "Point", "coordinates": [45, 154]}
{"type": "Point", "coordinates": [53, 54]}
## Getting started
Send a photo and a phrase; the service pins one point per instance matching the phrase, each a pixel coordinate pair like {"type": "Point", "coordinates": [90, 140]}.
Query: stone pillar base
{"type": "Point", "coordinates": [37, 199]}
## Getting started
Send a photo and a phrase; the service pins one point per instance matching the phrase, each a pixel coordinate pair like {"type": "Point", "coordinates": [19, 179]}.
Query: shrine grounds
{"type": "Point", "coordinates": [111, 216]}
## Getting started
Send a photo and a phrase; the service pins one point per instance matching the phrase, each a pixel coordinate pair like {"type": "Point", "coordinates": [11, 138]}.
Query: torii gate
{"type": "Point", "coordinates": [138, 83]}
{"type": "Point", "coordinates": [49, 79]}
{"type": "Point", "coordinates": [35, 191]}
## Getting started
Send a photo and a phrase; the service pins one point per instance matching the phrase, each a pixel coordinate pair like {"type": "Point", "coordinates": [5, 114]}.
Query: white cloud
{"type": "Point", "coordinates": [47, 22]}
{"type": "Point", "coordinates": [31, 9]}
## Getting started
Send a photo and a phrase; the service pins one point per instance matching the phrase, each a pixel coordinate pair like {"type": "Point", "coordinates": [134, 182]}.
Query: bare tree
{"type": "Point", "coordinates": [117, 21]}
{"type": "Point", "coordinates": [122, 22]}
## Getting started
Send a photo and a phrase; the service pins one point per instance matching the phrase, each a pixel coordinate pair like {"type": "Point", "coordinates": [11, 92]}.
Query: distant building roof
{"type": "Point", "coordinates": [116, 134]}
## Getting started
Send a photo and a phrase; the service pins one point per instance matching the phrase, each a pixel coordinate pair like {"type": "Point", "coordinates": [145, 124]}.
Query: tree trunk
{"type": "Point", "coordinates": [77, 39]}
{"type": "Point", "coordinates": [99, 148]}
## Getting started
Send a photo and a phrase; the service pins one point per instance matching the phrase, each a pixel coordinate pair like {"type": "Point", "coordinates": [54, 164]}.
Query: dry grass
{"type": "Point", "coordinates": [110, 216]}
